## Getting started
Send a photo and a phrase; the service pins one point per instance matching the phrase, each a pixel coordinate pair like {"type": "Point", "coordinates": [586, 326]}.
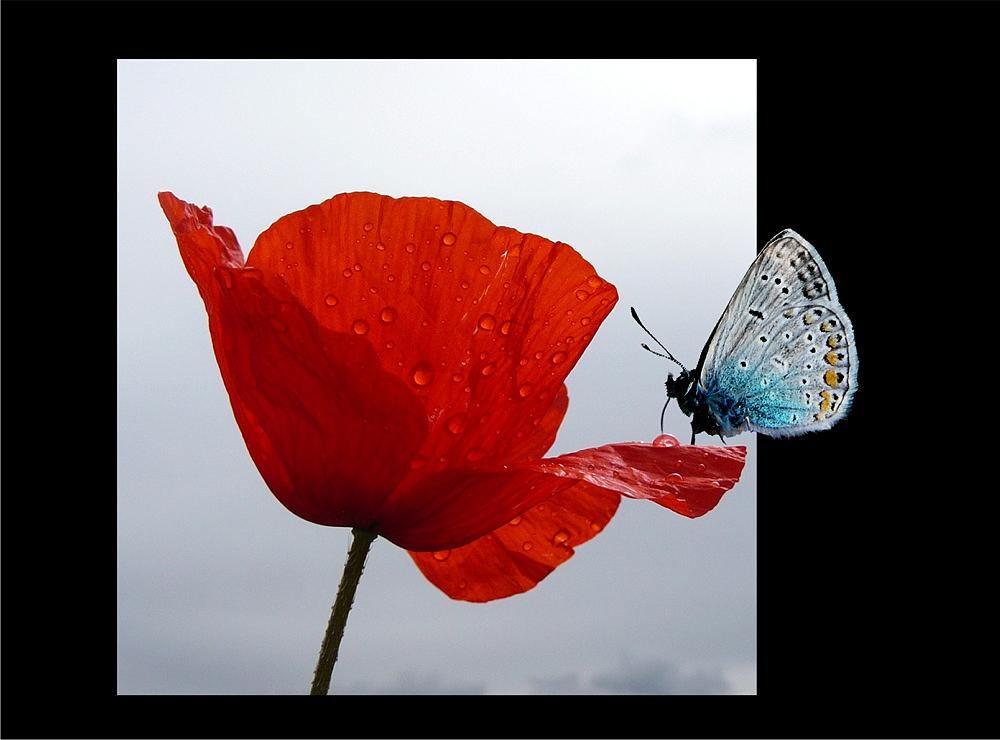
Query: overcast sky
{"type": "Point", "coordinates": [647, 168]}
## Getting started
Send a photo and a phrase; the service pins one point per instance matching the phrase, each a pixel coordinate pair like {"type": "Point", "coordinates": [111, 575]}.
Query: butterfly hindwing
{"type": "Point", "coordinates": [781, 359]}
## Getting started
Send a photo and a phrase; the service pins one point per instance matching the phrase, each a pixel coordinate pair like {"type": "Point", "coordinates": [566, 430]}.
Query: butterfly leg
{"type": "Point", "coordinates": [722, 438]}
{"type": "Point", "coordinates": [692, 436]}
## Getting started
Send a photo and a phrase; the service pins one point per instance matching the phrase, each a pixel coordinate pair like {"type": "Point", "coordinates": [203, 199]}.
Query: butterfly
{"type": "Point", "coordinates": [781, 360]}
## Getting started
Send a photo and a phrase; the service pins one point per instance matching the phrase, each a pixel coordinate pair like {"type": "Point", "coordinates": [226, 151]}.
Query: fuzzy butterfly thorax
{"type": "Point", "coordinates": [692, 401]}
{"type": "Point", "coordinates": [781, 360]}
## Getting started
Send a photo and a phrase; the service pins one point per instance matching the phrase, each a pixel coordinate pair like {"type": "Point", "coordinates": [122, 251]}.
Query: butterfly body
{"type": "Point", "coordinates": [781, 360]}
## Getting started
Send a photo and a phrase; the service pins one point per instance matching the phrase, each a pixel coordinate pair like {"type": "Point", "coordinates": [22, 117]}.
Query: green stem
{"type": "Point", "coordinates": [360, 545]}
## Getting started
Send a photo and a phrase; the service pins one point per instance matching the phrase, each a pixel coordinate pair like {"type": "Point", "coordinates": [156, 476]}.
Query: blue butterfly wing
{"type": "Point", "coordinates": [781, 360]}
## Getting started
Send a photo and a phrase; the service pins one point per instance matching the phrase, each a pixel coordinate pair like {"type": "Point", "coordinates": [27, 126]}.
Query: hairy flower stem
{"type": "Point", "coordinates": [360, 545]}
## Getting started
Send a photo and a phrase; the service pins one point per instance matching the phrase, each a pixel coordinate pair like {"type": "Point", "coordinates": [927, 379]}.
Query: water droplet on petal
{"type": "Point", "coordinates": [595, 527]}
{"type": "Point", "coordinates": [593, 281]}
{"type": "Point", "coordinates": [331, 300]}
{"type": "Point", "coordinates": [448, 239]}
{"type": "Point", "coordinates": [488, 368]}
{"type": "Point", "coordinates": [425, 266]}
{"type": "Point", "coordinates": [348, 272]}
{"type": "Point", "coordinates": [585, 320]}
{"type": "Point", "coordinates": [369, 226]}
{"type": "Point", "coordinates": [442, 555]}
{"type": "Point", "coordinates": [505, 327]}
{"type": "Point", "coordinates": [388, 315]}
{"type": "Point", "coordinates": [410, 247]}
{"type": "Point", "coordinates": [288, 245]}
{"type": "Point", "coordinates": [539, 355]}
{"type": "Point", "coordinates": [717, 484]}
{"type": "Point", "coordinates": [515, 521]}
{"type": "Point", "coordinates": [456, 424]}
{"type": "Point", "coordinates": [558, 357]}
{"type": "Point", "coordinates": [485, 270]}
{"type": "Point", "coordinates": [464, 284]}
{"type": "Point", "coordinates": [666, 440]}
{"type": "Point", "coordinates": [701, 466]}
{"type": "Point", "coordinates": [360, 326]}
{"type": "Point", "coordinates": [582, 295]}
{"type": "Point", "coordinates": [523, 361]}
{"type": "Point", "coordinates": [674, 476]}
{"type": "Point", "coordinates": [487, 321]}
{"type": "Point", "coordinates": [357, 268]}
{"type": "Point", "coordinates": [561, 537]}
{"type": "Point", "coordinates": [525, 390]}
{"type": "Point", "coordinates": [457, 377]}
{"type": "Point", "coordinates": [380, 247]}
{"type": "Point", "coordinates": [422, 374]}
{"type": "Point", "coordinates": [526, 546]}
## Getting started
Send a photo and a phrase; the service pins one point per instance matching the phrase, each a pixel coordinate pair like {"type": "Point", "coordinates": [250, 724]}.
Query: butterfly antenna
{"type": "Point", "coordinates": [646, 347]}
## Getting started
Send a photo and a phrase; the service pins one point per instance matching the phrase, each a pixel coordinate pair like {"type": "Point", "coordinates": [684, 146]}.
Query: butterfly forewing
{"type": "Point", "coordinates": [784, 345]}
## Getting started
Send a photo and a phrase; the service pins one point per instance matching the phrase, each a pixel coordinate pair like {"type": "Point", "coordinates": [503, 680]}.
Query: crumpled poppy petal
{"type": "Point", "coordinates": [518, 555]}
{"type": "Point", "coordinates": [451, 508]}
{"type": "Point", "coordinates": [482, 322]}
{"type": "Point", "coordinates": [328, 429]}
{"type": "Point", "coordinates": [688, 479]}
{"type": "Point", "coordinates": [447, 511]}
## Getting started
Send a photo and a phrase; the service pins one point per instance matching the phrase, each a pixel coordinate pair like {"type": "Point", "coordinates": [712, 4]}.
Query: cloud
{"type": "Point", "coordinates": [411, 683]}
{"type": "Point", "coordinates": [636, 677]}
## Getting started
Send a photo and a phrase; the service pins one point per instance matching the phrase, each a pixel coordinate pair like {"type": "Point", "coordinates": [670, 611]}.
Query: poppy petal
{"type": "Point", "coordinates": [328, 429]}
{"type": "Point", "coordinates": [482, 322]}
{"type": "Point", "coordinates": [688, 479]}
{"type": "Point", "coordinates": [537, 442]}
{"type": "Point", "coordinates": [450, 508]}
{"type": "Point", "coordinates": [518, 555]}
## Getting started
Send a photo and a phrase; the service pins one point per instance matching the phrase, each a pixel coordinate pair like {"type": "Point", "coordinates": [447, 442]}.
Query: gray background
{"type": "Point", "coordinates": [647, 168]}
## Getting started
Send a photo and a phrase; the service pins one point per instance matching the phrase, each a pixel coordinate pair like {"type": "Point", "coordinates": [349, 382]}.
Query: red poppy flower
{"type": "Point", "coordinates": [397, 365]}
